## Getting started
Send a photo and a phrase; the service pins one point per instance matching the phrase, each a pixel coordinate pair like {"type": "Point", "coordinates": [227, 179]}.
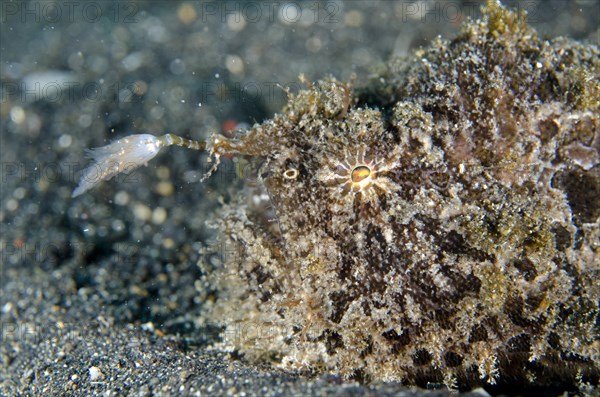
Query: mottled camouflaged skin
{"type": "Point", "coordinates": [439, 227]}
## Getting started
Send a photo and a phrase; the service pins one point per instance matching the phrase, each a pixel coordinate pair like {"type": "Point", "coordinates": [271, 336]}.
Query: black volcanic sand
{"type": "Point", "coordinates": [98, 294]}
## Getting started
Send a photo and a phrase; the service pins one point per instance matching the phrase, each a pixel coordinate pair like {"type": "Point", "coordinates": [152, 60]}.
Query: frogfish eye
{"type": "Point", "coordinates": [360, 173]}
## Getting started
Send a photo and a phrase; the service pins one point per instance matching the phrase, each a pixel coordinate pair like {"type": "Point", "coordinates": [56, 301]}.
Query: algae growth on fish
{"type": "Point", "coordinates": [439, 226]}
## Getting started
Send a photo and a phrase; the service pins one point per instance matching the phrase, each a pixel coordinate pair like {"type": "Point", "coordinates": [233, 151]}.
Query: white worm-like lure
{"type": "Point", "coordinates": [125, 155]}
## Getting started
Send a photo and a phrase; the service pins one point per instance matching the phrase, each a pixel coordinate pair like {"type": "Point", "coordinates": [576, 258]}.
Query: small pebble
{"type": "Point", "coordinates": [142, 212]}
{"type": "Point", "coordinates": [165, 188]}
{"type": "Point", "coordinates": [95, 373]}
{"type": "Point", "coordinates": [159, 215]}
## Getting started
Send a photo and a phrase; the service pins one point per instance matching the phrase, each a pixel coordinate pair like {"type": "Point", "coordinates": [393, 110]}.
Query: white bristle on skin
{"type": "Point", "coordinates": [123, 155]}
